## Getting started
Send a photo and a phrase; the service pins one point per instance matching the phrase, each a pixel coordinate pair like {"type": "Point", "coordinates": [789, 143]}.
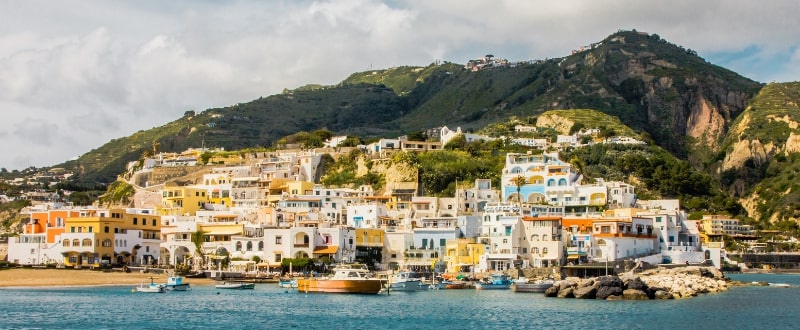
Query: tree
{"type": "Point", "coordinates": [198, 238]}
{"type": "Point", "coordinates": [519, 181]}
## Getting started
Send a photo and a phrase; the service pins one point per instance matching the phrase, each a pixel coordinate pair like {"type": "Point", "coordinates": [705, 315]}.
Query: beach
{"type": "Point", "coordinates": [44, 277]}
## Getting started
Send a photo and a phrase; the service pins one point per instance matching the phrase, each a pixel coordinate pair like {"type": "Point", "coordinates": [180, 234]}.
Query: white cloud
{"type": "Point", "coordinates": [74, 75]}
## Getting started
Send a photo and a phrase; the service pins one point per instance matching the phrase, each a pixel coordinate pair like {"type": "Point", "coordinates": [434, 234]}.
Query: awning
{"type": "Point", "coordinates": [575, 256]}
{"type": "Point", "coordinates": [326, 249]}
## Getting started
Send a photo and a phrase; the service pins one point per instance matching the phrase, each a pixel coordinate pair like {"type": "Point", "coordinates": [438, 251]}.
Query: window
{"type": "Point", "coordinates": [238, 246]}
{"type": "Point", "coordinates": [278, 241]}
{"type": "Point", "coordinates": [442, 242]}
{"type": "Point", "coordinates": [91, 229]}
{"type": "Point", "coordinates": [66, 242]}
{"type": "Point", "coordinates": [135, 221]}
{"type": "Point", "coordinates": [277, 258]}
{"type": "Point", "coordinates": [106, 242]}
{"type": "Point", "coordinates": [87, 242]}
{"type": "Point", "coordinates": [249, 246]}
{"type": "Point", "coordinates": [154, 222]}
{"type": "Point", "coordinates": [261, 246]}
{"type": "Point", "coordinates": [544, 250]}
{"type": "Point", "coordinates": [105, 229]}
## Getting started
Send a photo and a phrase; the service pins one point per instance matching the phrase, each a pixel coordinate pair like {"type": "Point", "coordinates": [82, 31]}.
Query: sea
{"type": "Point", "coordinates": [272, 307]}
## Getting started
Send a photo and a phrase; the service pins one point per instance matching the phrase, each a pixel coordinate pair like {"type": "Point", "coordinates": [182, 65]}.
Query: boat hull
{"type": "Point", "coordinates": [236, 286]}
{"type": "Point", "coordinates": [369, 286]}
{"type": "Point", "coordinates": [531, 287]}
{"type": "Point", "coordinates": [490, 286]}
{"type": "Point", "coordinates": [178, 287]}
{"type": "Point", "coordinates": [408, 286]}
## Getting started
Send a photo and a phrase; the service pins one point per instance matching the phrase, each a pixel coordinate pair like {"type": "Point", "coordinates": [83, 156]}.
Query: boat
{"type": "Point", "coordinates": [405, 281]}
{"type": "Point", "coordinates": [175, 283]}
{"type": "Point", "coordinates": [345, 279]}
{"type": "Point", "coordinates": [287, 283]}
{"type": "Point", "coordinates": [153, 287]}
{"type": "Point", "coordinates": [524, 285]}
{"type": "Point", "coordinates": [495, 282]}
{"type": "Point", "coordinates": [235, 286]}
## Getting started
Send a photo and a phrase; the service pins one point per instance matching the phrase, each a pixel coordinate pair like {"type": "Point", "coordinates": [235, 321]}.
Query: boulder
{"type": "Point", "coordinates": [636, 284]}
{"type": "Point", "coordinates": [661, 294]}
{"type": "Point", "coordinates": [586, 292]}
{"type": "Point", "coordinates": [609, 281]}
{"type": "Point", "coordinates": [551, 291]}
{"type": "Point", "coordinates": [604, 292]}
{"type": "Point", "coordinates": [586, 282]}
{"type": "Point", "coordinates": [631, 294]}
{"type": "Point", "coordinates": [614, 298]}
{"type": "Point", "coordinates": [566, 293]}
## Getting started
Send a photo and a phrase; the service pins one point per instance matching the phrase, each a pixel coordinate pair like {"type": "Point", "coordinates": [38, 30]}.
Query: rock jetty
{"type": "Point", "coordinates": [659, 283]}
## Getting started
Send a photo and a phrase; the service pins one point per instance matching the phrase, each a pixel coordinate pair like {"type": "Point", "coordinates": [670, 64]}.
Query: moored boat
{"type": "Point", "coordinates": [287, 283]}
{"type": "Point", "coordinates": [235, 286]}
{"type": "Point", "coordinates": [175, 283]}
{"type": "Point", "coordinates": [345, 279]}
{"type": "Point", "coordinates": [524, 285]}
{"type": "Point", "coordinates": [405, 281]}
{"type": "Point", "coordinates": [495, 282]}
{"type": "Point", "coordinates": [153, 287]}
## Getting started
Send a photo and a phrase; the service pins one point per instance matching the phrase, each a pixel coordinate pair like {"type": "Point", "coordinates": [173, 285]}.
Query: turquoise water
{"type": "Point", "coordinates": [270, 307]}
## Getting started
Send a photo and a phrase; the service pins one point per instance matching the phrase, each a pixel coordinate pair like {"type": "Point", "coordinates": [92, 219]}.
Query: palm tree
{"type": "Point", "coordinates": [198, 237]}
{"type": "Point", "coordinates": [519, 181]}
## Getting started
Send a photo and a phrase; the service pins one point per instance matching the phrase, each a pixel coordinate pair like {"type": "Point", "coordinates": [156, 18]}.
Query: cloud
{"type": "Point", "coordinates": [77, 74]}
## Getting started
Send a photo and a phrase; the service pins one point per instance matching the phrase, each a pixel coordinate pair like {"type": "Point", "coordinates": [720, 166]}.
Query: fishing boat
{"type": "Point", "coordinates": [235, 285]}
{"type": "Point", "coordinates": [524, 285]}
{"type": "Point", "coordinates": [175, 283]}
{"type": "Point", "coordinates": [345, 279]}
{"type": "Point", "coordinates": [495, 282]}
{"type": "Point", "coordinates": [405, 281]}
{"type": "Point", "coordinates": [153, 287]}
{"type": "Point", "coordinates": [287, 283]}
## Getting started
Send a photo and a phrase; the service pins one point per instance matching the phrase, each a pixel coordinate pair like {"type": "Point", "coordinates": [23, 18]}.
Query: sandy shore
{"type": "Point", "coordinates": [27, 277]}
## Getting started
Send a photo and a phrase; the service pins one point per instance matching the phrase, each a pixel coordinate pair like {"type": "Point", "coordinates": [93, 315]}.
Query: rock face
{"type": "Point", "coordinates": [657, 283]}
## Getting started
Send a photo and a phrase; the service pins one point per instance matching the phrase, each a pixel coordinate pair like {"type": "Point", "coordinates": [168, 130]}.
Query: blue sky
{"type": "Point", "coordinates": [75, 74]}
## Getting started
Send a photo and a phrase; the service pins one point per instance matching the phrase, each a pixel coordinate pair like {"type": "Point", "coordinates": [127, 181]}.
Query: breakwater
{"type": "Point", "coordinates": [659, 283]}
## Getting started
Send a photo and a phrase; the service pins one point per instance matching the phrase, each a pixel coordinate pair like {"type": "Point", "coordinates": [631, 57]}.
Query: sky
{"type": "Point", "coordinates": [76, 74]}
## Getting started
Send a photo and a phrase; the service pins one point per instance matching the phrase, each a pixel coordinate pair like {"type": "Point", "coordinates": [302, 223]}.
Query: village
{"type": "Point", "coordinates": [250, 214]}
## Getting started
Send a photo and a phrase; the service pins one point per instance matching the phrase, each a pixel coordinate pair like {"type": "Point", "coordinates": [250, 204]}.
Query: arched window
{"type": "Point", "coordinates": [534, 237]}
{"type": "Point", "coordinates": [544, 250]}
{"type": "Point", "coordinates": [87, 242]}
{"type": "Point", "coordinates": [551, 182]}
{"type": "Point", "coordinates": [261, 246]}
{"type": "Point", "coordinates": [544, 237]}
{"type": "Point", "coordinates": [534, 250]}
{"type": "Point", "coordinates": [238, 246]}
{"type": "Point", "coordinates": [66, 242]}
{"type": "Point", "coordinates": [562, 182]}
{"type": "Point", "coordinates": [76, 242]}
{"type": "Point", "coordinates": [249, 246]}
{"type": "Point", "coordinates": [106, 242]}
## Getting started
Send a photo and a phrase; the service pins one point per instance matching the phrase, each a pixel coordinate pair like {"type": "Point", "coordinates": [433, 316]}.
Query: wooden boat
{"type": "Point", "coordinates": [345, 279]}
{"type": "Point", "coordinates": [153, 287]}
{"type": "Point", "coordinates": [453, 285]}
{"type": "Point", "coordinates": [496, 282]}
{"type": "Point", "coordinates": [175, 283]}
{"type": "Point", "coordinates": [235, 286]}
{"type": "Point", "coordinates": [531, 286]}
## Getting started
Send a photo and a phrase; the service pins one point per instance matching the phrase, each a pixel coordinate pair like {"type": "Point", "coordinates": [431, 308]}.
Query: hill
{"type": "Point", "coordinates": [684, 103]}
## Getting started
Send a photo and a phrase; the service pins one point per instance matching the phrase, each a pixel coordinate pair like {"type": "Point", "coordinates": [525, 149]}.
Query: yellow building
{"type": "Point", "coordinates": [178, 200]}
{"type": "Point", "coordinates": [116, 237]}
{"type": "Point", "coordinates": [463, 255]}
{"type": "Point", "coordinates": [369, 245]}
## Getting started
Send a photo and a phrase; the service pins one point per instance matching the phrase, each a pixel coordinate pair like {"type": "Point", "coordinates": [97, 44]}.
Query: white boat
{"type": "Point", "coordinates": [153, 287]}
{"type": "Point", "coordinates": [236, 286]}
{"type": "Point", "coordinates": [287, 283]}
{"type": "Point", "coordinates": [175, 283]}
{"type": "Point", "coordinates": [405, 281]}
{"type": "Point", "coordinates": [524, 285]}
